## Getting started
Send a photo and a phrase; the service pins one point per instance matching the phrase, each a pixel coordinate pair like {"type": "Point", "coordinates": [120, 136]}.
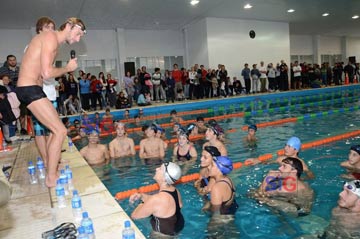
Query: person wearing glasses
{"type": "Point", "coordinates": [164, 207]}
{"type": "Point", "coordinates": [283, 189]}
{"type": "Point", "coordinates": [345, 218]}
{"type": "Point", "coordinates": [37, 67]}
{"type": "Point", "coordinates": [95, 153]}
{"type": "Point", "coordinates": [352, 165]}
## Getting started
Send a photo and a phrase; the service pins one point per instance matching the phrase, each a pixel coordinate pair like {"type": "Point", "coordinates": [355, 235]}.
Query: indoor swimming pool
{"type": "Point", "coordinates": [316, 115]}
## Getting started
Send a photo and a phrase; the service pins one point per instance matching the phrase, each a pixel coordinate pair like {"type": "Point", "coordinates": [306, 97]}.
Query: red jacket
{"type": "Point", "coordinates": [177, 75]}
{"type": "Point", "coordinates": [96, 86]}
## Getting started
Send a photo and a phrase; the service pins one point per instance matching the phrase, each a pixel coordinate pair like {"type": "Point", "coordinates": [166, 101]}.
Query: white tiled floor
{"type": "Point", "coordinates": [33, 208]}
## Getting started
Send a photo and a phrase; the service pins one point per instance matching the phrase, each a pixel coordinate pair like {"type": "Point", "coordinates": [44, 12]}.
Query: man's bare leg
{"type": "Point", "coordinates": [40, 142]}
{"type": "Point", "coordinates": [45, 112]}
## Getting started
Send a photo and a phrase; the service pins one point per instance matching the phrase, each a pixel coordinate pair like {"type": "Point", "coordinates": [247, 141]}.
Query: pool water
{"type": "Point", "coordinates": [253, 220]}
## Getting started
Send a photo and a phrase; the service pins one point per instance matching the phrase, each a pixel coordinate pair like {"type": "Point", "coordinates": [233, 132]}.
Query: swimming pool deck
{"type": "Point", "coordinates": [33, 209]}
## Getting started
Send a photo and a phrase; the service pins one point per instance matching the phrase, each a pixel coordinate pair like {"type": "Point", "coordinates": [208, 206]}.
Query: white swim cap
{"type": "Point", "coordinates": [353, 186]}
{"type": "Point", "coordinates": [172, 172]}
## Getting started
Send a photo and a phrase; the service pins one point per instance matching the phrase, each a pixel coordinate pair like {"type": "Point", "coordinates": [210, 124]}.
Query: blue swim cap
{"type": "Point", "coordinates": [294, 142]}
{"type": "Point", "coordinates": [224, 164]}
{"type": "Point", "coordinates": [252, 126]}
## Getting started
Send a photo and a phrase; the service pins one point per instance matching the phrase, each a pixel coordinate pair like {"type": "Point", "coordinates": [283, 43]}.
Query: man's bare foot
{"type": "Point", "coordinates": [50, 180]}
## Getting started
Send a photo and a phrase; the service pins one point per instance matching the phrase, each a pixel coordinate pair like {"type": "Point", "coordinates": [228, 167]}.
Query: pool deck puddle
{"type": "Point", "coordinates": [33, 209]}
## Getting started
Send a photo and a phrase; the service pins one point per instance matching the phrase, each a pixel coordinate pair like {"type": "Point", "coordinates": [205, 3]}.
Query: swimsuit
{"type": "Point", "coordinates": [185, 157]}
{"type": "Point", "coordinates": [29, 94]}
{"type": "Point", "coordinates": [356, 175]}
{"type": "Point", "coordinates": [170, 225]}
{"type": "Point", "coordinates": [229, 209]}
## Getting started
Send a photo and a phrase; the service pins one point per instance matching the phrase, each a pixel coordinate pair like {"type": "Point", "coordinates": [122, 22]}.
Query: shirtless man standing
{"type": "Point", "coordinates": [95, 153]}
{"type": "Point", "coordinates": [122, 145]}
{"type": "Point", "coordinates": [151, 147]}
{"type": "Point", "coordinates": [211, 136]}
{"type": "Point", "coordinates": [37, 66]}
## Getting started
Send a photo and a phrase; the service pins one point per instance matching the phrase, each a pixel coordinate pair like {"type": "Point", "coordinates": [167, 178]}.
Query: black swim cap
{"type": "Point", "coordinates": [212, 150]}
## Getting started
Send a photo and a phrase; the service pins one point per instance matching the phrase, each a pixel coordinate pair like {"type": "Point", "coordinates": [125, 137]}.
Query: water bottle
{"type": "Point", "coordinates": [76, 206]}
{"type": "Point", "coordinates": [32, 173]}
{"type": "Point", "coordinates": [87, 223]}
{"type": "Point", "coordinates": [128, 232]}
{"type": "Point", "coordinates": [82, 234]}
{"type": "Point", "coordinates": [60, 194]}
{"type": "Point", "coordinates": [71, 145]}
{"type": "Point", "coordinates": [69, 175]}
{"type": "Point", "coordinates": [64, 181]}
{"type": "Point", "coordinates": [40, 168]}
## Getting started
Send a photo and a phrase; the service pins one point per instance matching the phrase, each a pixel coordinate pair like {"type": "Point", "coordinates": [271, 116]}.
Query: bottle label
{"type": "Point", "coordinates": [60, 191]}
{"type": "Point", "coordinates": [40, 165]}
{"type": "Point", "coordinates": [76, 203]}
{"type": "Point", "coordinates": [69, 175]}
{"type": "Point", "coordinates": [128, 236]}
{"type": "Point", "coordinates": [31, 170]}
{"type": "Point", "coordinates": [89, 229]}
{"type": "Point", "coordinates": [63, 179]}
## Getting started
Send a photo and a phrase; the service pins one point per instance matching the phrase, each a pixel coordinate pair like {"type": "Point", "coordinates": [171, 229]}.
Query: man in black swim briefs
{"type": "Point", "coordinates": [37, 67]}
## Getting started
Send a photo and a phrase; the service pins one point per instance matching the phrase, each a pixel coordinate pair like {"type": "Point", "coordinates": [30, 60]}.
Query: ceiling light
{"type": "Point", "coordinates": [194, 2]}
{"type": "Point", "coordinates": [355, 17]}
{"type": "Point", "coordinates": [247, 6]}
{"type": "Point", "coordinates": [291, 10]}
{"type": "Point", "coordinates": [325, 14]}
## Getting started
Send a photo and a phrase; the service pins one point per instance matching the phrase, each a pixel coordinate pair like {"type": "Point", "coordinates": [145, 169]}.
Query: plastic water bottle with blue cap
{"type": "Point", "coordinates": [60, 194]}
{"type": "Point", "coordinates": [32, 173]}
{"type": "Point", "coordinates": [76, 206]}
{"type": "Point", "coordinates": [87, 223]}
{"type": "Point", "coordinates": [64, 181]}
{"type": "Point", "coordinates": [71, 144]}
{"type": "Point", "coordinates": [82, 233]}
{"type": "Point", "coordinates": [40, 168]}
{"type": "Point", "coordinates": [69, 175]}
{"type": "Point", "coordinates": [128, 232]}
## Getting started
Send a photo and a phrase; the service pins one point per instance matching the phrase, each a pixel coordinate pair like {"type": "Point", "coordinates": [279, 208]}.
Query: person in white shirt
{"type": "Point", "coordinates": [297, 75]}
{"type": "Point", "coordinates": [263, 77]}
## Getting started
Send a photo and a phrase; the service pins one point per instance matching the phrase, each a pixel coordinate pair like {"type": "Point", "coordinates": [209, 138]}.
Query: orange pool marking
{"type": "Point", "coordinates": [236, 165]}
{"type": "Point", "coordinates": [271, 123]}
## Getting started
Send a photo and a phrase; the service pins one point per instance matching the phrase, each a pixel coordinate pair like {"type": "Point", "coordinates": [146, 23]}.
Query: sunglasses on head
{"type": "Point", "coordinates": [352, 186]}
{"type": "Point", "coordinates": [166, 164]}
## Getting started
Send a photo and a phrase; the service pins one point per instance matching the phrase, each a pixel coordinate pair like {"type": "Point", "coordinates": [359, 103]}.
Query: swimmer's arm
{"type": "Point", "coordinates": [216, 199]}
{"type": "Point", "coordinates": [223, 151]}
{"type": "Point", "coordinates": [48, 53]}
{"type": "Point", "coordinates": [111, 150]}
{"type": "Point", "coordinates": [161, 148]}
{"type": "Point", "coordinates": [146, 208]}
{"type": "Point", "coordinates": [283, 206]}
{"type": "Point", "coordinates": [193, 153]}
{"type": "Point", "coordinates": [175, 150]}
{"type": "Point", "coordinates": [106, 154]}
{"type": "Point", "coordinates": [142, 154]}
{"type": "Point", "coordinates": [132, 147]}
{"type": "Point", "coordinates": [309, 175]}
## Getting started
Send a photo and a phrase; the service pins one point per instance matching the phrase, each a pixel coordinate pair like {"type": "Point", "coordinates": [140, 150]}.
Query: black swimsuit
{"type": "Point", "coordinates": [229, 209]}
{"type": "Point", "coordinates": [185, 157]}
{"type": "Point", "coordinates": [170, 225]}
{"type": "Point", "coordinates": [29, 94]}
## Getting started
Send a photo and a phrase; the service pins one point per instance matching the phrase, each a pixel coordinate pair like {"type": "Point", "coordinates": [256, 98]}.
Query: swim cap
{"type": "Point", "coordinates": [212, 122]}
{"type": "Point", "coordinates": [212, 150]}
{"type": "Point", "coordinates": [173, 112]}
{"type": "Point", "coordinates": [252, 126]}
{"type": "Point", "coordinates": [295, 143]}
{"type": "Point", "coordinates": [353, 186]}
{"type": "Point", "coordinates": [172, 172]}
{"type": "Point", "coordinates": [158, 127]}
{"type": "Point", "coordinates": [224, 164]}
{"type": "Point", "coordinates": [356, 148]}
{"type": "Point", "coordinates": [190, 127]}
{"type": "Point", "coordinates": [216, 129]}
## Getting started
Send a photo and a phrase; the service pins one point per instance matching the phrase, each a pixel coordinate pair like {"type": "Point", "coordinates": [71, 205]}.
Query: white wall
{"type": "Point", "coordinates": [13, 42]}
{"type": "Point", "coordinates": [229, 43]}
{"type": "Point", "coordinates": [353, 47]}
{"type": "Point", "coordinates": [301, 45]}
{"type": "Point", "coordinates": [153, 43]}
{"type": "Point", "coordinates": [196, 37]}
{"type": "Point", "coordinates": [330, 45]}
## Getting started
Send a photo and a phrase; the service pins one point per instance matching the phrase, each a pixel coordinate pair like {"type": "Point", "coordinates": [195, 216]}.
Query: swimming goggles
{"type": "Point", "coordinates": [166, 164]}
{"type": "Point", "coordinates": [63, 231]}
{"type": "Point", "coordinates": [353, 186]}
